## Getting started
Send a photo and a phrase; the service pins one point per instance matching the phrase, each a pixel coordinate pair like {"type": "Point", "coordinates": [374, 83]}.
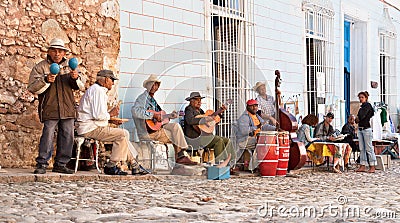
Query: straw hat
{"type": "Point", "coordinates": [57, 44]}
{"type": "Point", "coordinates": [258, 84]}
{"type": "Point", "coordinates": [194, 94]}
{"type": "Point", "coordinates": [152, 78]}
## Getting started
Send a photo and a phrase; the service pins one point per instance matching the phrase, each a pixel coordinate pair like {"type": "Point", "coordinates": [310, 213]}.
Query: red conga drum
{"type": "Point", "coordinates": [284, 148]}
{"type": "Point", "coordinates": [267, 153]}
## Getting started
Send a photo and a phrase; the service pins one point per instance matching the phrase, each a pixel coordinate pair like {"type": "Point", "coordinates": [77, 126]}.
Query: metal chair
{"type": "Point", "coordinates": [79, 140]}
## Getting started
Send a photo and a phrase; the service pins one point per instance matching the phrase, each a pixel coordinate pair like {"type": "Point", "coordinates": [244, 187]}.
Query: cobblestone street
{"type": "Point", "coordinates": [307, 196]}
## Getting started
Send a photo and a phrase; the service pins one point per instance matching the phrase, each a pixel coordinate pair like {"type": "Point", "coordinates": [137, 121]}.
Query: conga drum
{"type": "Point", "coordinates": [284, 148]}
{"type": "Point", "coordinates": [267, 153]}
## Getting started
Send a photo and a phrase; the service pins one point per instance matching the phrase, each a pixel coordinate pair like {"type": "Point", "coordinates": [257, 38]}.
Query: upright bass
{"type": "Point", "coordinates": [287, 122]}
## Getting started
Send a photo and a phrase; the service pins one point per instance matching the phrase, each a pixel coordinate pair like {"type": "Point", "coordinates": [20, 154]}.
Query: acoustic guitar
{"type": "Point", "coordinates": [154, 125]}
{"type": "Point", "coordinates": [209, 127]}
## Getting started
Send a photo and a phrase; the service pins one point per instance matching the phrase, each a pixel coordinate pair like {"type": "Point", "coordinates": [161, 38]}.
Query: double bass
{"type": "Point", "coordinates": [287, 122]}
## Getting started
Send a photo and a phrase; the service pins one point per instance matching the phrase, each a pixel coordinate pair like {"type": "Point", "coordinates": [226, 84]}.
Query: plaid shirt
{"type": "Point", "coordinates": [267, 106]}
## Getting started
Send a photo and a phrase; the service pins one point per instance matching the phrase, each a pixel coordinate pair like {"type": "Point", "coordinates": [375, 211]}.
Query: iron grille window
{"type": "Point", "coordinates": [232, 55]}
{"type": "Point", "coordinates": [387, 68]}
{"type": "Point", "coordinates": [319, 58]}
{"type": "Point", "coordinates": [387, 74]}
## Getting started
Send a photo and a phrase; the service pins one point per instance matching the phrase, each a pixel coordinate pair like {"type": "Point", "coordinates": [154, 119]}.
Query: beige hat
{"type": "Point", "coordinates": [258, 84]}
{"type": "Point", "coordinates": [152, 78]}
{"type": "Point", "coordinates": [58, 44]}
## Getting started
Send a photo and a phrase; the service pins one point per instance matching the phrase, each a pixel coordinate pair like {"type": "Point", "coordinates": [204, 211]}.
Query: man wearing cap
{"type": "Point", "coordinates": [147, 108]}
{"type": "Point", "coordinates": [198, 138]}
{"type": "Point", "coordinates": [266, 103]}
{"type": "Point", "coordinates": [249, 125]}
{"type": "Point", "coordinates": [93, 119]}
{"type": "Point", "coordinates": [56, 106]}
{"type": "Point", "coordinates": [324, 130]}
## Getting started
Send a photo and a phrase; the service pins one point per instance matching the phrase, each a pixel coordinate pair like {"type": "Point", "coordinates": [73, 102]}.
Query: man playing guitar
{"type": "Point", "coordinates": [147, 108]}
{"type": "Point", "coordinates": [198, 128]}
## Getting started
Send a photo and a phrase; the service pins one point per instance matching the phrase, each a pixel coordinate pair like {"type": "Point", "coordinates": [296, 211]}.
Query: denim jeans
{"type": "Point", "coordinates": [65, 142]}
{"type": "Point", "coordinates": [366, 148]}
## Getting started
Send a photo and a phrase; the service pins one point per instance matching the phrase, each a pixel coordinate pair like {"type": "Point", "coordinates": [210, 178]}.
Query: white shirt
{"type": "Point", "coordinates": [92, 110]}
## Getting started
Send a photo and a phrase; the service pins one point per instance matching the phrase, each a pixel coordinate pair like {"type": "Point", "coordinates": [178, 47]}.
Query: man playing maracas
{"type": "Point", "coordinates": [56, 105]}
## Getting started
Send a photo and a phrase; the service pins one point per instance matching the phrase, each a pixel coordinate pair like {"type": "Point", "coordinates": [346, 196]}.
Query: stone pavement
{"type": "Point", "coordinates": [305, 196]}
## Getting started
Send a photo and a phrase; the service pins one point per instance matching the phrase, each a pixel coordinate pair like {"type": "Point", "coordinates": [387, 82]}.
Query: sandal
{"type": "Point", "coordinates": [337, 170]}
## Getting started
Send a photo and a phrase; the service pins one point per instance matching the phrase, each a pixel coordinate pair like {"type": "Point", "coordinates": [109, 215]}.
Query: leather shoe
{"type": "Point", "coordinates": [40, 170]}
{"type": "Point", "coordinates": [140, 170]}
{"type": "Point", "coordinates": [62, 169]}
{"type": "Point", "coordinates": [114, 170]}
{"type": "Point", "coordinates": [185, 161]}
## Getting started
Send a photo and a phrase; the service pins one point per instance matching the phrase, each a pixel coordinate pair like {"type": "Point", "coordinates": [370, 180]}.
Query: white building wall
{"type": "Point", "coordinates": [148, 27]}
{"type": "Point", "coordinates": [157, 38]}
{"type": "Point", "coordinates": [279, 31]}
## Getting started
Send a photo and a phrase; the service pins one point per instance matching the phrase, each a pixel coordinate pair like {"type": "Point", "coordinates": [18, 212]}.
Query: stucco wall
{"type": "Point", "coordinates": [90, 29]}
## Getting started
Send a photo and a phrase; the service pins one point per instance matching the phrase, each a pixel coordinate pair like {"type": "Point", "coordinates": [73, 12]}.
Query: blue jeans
{"type": "Point", "coordinates": [65, 142]}
{"type": "Point", "coordinates": [366, 148]}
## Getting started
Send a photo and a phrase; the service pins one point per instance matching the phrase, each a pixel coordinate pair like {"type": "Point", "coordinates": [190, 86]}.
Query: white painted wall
{"type": "Point", "coordinates": [160, 37]}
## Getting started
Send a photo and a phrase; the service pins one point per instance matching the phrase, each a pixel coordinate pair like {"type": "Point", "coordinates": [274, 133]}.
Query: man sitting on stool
{"type": "Point", "coordinates": [93, 119]}
{"type": "Point", "coordinates": [249, 125]}
{"type": "Point", "coordinates": [198, 138]}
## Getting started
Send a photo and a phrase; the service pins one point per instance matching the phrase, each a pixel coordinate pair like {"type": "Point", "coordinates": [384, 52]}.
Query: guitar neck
{"type": "Point", "coordinates": [217, 112]}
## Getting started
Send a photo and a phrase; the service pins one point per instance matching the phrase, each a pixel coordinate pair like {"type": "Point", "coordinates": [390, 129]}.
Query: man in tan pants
{"type": "Point", "coordinates": [93, 119]}
{"type": "Point", "coordinates": [146, 108]}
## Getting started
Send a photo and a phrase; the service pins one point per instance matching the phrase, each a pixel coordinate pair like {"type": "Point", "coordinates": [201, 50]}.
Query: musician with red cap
{"type": "Point", "coordinates": [249, 124]}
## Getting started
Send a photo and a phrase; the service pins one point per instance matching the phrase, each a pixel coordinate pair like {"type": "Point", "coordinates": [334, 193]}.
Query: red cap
{"type": "Point", "coordinates": [252, 102]}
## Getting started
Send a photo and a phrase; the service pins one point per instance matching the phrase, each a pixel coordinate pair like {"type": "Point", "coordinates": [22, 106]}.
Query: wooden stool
{"type": "Point", "coordinates": [208, 156]}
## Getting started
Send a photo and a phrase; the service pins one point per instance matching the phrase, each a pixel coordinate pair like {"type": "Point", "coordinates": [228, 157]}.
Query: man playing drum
{"type": "Point", "coordinates": [249, 125]}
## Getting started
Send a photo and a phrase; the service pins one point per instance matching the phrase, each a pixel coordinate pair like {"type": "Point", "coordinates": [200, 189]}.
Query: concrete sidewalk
{"type": "Point", "coordinates": [19, 175]}
{"type": "Point", "coordinates": [23, 175]}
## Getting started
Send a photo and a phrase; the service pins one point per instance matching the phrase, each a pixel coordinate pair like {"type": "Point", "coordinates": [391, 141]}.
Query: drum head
{"type": "Point", "coordinates": [268, 133]}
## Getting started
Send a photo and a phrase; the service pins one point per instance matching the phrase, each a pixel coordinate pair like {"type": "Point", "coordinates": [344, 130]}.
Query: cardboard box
{"type": "Point", "coordinates": [380, 165]}
{"type": "Point", "coordinates": [215, 173]}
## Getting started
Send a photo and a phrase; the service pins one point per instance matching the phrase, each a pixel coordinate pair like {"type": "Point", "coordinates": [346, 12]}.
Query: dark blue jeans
{"type": "Point", "coordinates": [65, 142]}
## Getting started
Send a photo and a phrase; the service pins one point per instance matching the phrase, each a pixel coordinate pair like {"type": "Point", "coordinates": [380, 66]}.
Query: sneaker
{"type": "Point", "coordinates": [62, 169]}
{"type": "Point", "coordinates": [40, 170]}
{"type": "Point", "coordinates": [114, 170]}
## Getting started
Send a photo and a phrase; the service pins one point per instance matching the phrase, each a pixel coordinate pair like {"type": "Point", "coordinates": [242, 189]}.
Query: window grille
{"type": "Point", "coordinates": [387, 73]}
{"type": "Point", "coordinates": [320, 53]}
{"type": "Point", "coordinates": [232, 57]}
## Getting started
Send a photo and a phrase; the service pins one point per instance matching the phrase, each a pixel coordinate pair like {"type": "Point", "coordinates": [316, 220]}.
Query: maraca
{"type": "Point", "coordinates": [54, 68]}
{"type": "Point", "coordinates": [73, 63]}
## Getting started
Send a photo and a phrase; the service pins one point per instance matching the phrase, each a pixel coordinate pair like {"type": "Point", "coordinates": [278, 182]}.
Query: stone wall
{"type": "Point", "coordinates": [90, 29]}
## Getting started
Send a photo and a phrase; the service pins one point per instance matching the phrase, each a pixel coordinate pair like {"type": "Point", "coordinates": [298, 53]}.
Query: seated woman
{"type": "Point", "coordinates": [304, 132]}
{"type": "Point", "coordinates": [340, 151]}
